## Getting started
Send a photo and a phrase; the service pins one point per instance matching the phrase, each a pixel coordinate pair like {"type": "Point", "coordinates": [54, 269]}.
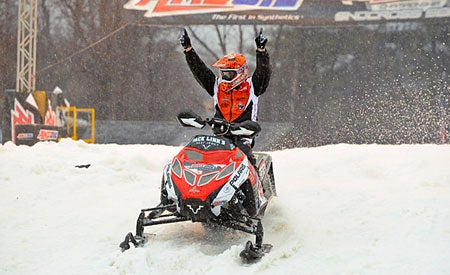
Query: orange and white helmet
{"type": "Point", "coordinates": [233, 70]}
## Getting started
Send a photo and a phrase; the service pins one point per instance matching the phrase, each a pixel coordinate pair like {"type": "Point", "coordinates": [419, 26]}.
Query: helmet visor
{"type": "Point", "coordinates": [228, 74]}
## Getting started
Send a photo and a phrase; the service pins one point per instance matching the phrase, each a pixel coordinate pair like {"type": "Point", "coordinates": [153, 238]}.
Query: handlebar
{"type": "Point", "coordinates": [220, 127]}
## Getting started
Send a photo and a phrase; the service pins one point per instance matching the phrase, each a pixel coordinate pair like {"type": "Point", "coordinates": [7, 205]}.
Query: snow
{"type": "Point", "coordinates": [341, 209]}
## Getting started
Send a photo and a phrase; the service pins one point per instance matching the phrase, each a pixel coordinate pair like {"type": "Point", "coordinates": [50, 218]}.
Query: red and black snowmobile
{"type": "Point", "coordinates": [213, 182]}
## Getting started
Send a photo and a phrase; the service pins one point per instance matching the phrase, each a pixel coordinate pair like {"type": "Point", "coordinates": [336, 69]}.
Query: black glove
{"type": "Point", "coordinates": [261, 40]}
{"type": "Point", "coordinates": [184, 39]}
{"type": "Point", "coordinates": [219, 130]}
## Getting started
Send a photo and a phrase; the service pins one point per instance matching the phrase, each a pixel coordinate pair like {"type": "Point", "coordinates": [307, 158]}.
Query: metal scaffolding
{"type": "Point", "coordinates": [26, 46]}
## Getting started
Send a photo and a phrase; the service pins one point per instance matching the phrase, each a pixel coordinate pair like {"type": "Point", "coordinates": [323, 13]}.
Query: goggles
{"type": "Point", "coordinates": [228, 74]}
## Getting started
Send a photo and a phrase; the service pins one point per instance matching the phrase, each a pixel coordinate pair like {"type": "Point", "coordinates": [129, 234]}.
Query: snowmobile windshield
{"type": "Point", "coordinates": [204, 160]}
{"type": "Point", "coordinates": [210, 143]}
{"type": "Point", "coordinates": [193, 155]}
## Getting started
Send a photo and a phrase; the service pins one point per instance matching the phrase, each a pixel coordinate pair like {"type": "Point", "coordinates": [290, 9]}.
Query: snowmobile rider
{"type": "Point", "coordinates": [235, 93]}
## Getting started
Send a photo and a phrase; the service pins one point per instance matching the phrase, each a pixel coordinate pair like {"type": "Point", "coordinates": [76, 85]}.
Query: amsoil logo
{"type": "Point", "coordinates": [47, 135]}
{"type": "Point", "coordinates": [25, 136]}
{"type": "Point", "coordinates": [158, 8]}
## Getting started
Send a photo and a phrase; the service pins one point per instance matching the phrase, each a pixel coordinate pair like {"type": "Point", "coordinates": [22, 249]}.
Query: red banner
{"type": "Point", "coordinates": [298, 12]}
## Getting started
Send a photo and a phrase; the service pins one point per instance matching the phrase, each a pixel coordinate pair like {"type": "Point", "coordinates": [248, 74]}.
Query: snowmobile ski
{"type": "Point", "coordinates": [252, 254]}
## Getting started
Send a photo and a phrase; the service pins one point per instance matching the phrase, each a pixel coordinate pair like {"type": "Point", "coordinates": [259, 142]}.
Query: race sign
{"type": "Point", "coordinates": [298, 12]}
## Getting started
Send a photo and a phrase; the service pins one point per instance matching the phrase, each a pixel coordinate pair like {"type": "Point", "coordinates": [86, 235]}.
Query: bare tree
{"type": "Point", "coordinates": [8, 34]}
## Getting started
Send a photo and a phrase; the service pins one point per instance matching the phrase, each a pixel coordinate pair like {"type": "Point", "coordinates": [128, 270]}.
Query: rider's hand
{"type": "Point", "coordinates": [261, 41]}
{"type": "Point", "coordinates": [218, 129]}
{"type": "Point", "coordinates": [184, 39]}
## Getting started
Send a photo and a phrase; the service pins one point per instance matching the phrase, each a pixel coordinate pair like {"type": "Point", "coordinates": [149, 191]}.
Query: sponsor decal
{"type": "Point", "coordinates": [209, 139]}
{"type": "Point", "coordinates": [47, 135]}
{"type": "Point", "coordinates": [160, 8]}
{"type": "Point", "coordinates": [194, 190]}
{"type": "Point", "coordinates": [204, 168]}
{"type": "Point", "coordinates": [25, 136]}
{"type": "Point", "coordinates": [237, 175]}
{"type": "Point", "coordinates": [226, 189]}
{"type": "Point", "coordinates": [395, 10]}
{"type": "Point", "coordinates": [195, 211]}
{"type": "Point", "coordinates": [208, 142]}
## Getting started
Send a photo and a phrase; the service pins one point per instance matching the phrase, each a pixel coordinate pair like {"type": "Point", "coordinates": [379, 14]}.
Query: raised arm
{"type": "Point", "coordinates": [263, 71]}
{"type": "Point", "coordinates": [204, 76]}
